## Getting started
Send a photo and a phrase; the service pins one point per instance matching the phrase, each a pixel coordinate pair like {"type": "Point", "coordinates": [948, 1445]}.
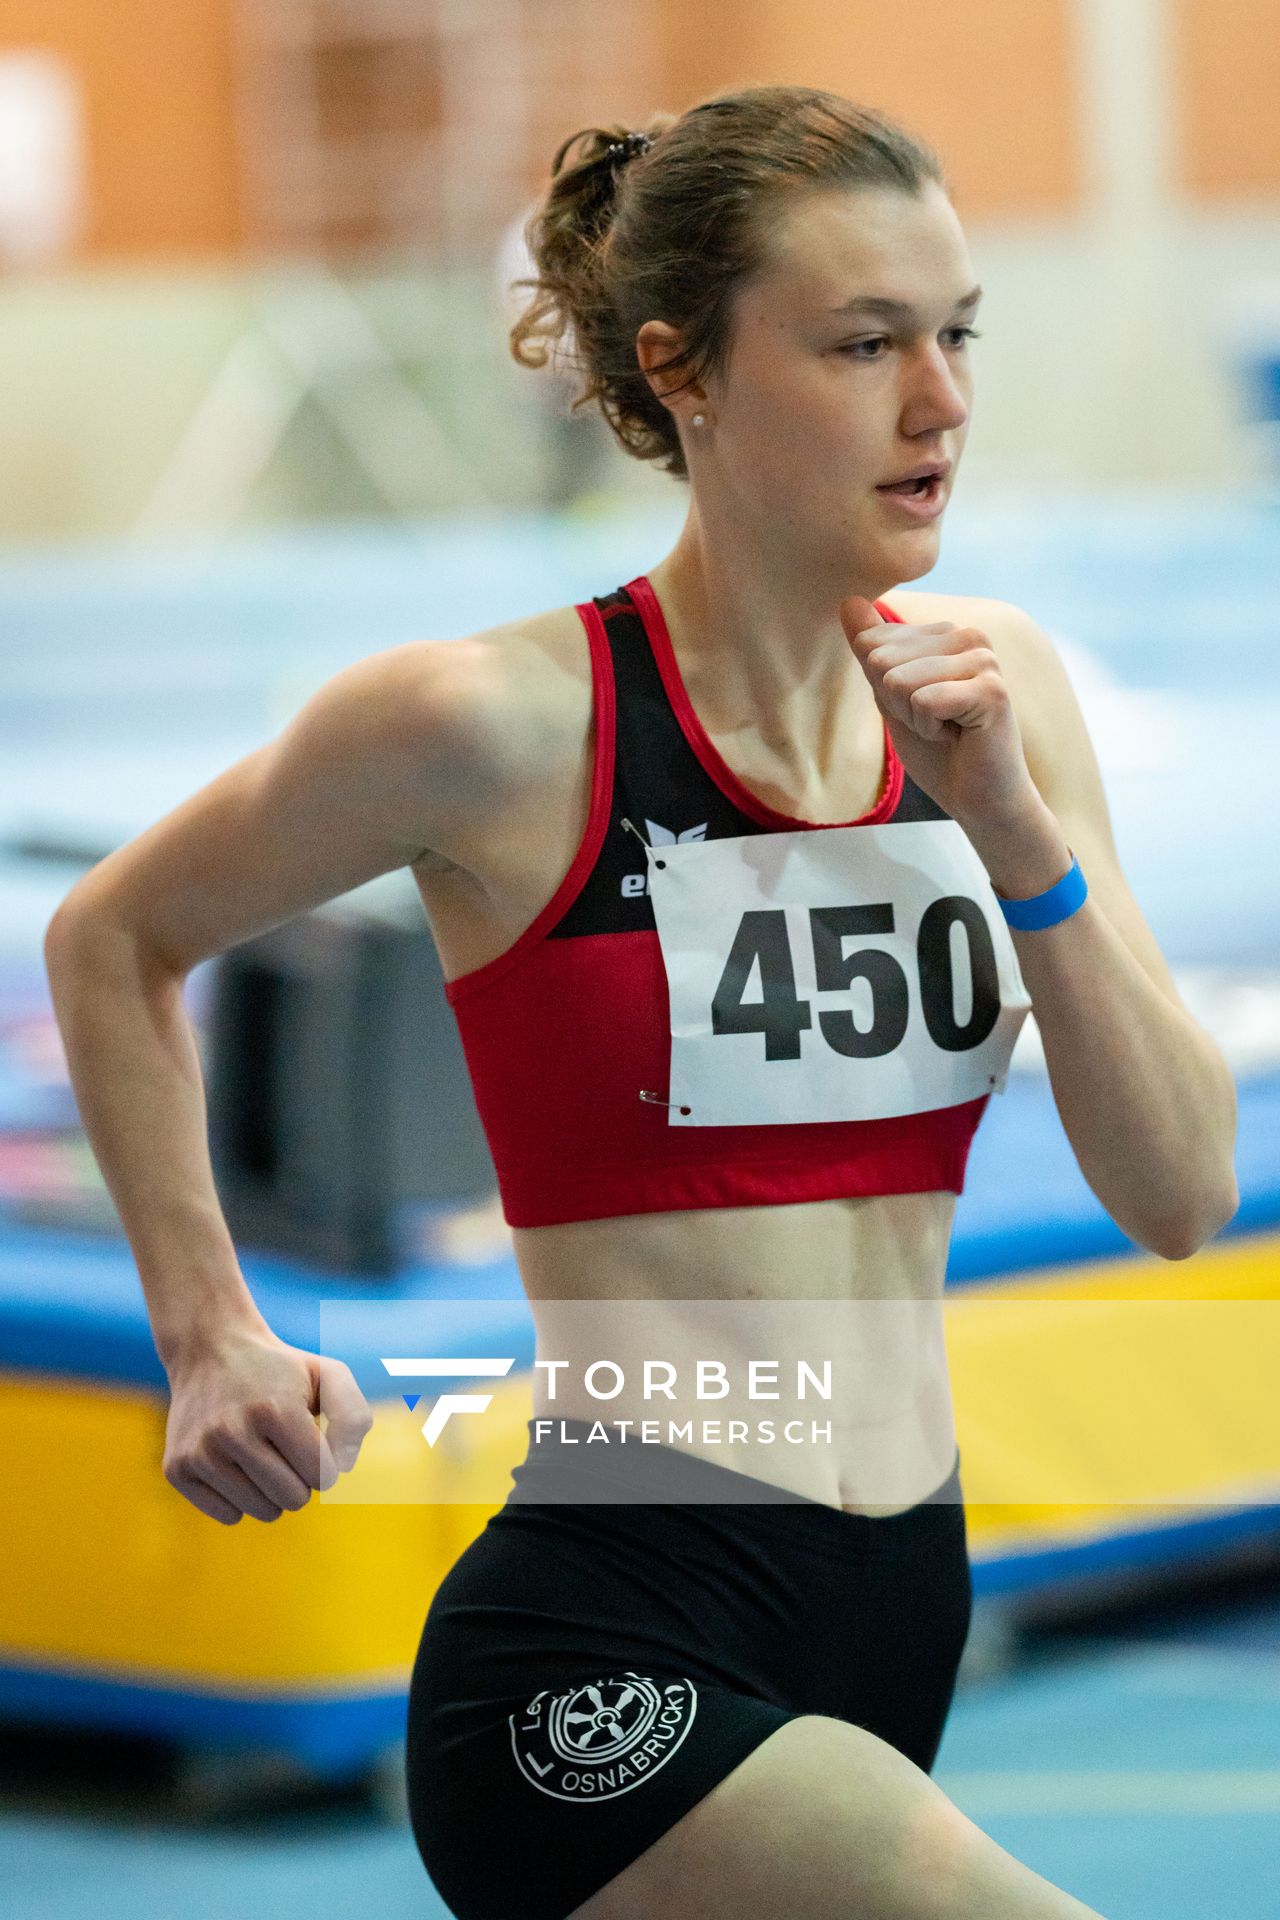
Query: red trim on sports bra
{"type": "Point", "coordinates": [604, 701]}
{"type": "Point", "coordinates": [718, 769]}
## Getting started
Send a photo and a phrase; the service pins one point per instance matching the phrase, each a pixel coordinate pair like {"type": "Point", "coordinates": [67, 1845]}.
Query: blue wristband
{"type": "Point", "coordinates": [1058, 902]}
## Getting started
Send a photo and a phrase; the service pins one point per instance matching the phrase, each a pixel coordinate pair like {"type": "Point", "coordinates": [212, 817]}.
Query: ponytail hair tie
{"type": "Point", "coordinates": [627, 148]}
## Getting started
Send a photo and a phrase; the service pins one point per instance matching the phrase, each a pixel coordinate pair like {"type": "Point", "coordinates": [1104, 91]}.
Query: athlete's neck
{"type": "Point", "coordinates": [767, 655]}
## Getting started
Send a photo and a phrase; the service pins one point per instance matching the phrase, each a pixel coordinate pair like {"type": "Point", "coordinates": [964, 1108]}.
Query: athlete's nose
{"type": "Point", "coordinates": [934, 399]}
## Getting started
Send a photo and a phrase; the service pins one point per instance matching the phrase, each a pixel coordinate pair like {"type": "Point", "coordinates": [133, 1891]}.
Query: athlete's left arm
{"type": "Point", "coordinates": [1145, 1095]}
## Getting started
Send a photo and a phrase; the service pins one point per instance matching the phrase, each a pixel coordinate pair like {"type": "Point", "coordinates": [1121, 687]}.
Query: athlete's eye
{"type": "Point", "coordinates": [965, 335]}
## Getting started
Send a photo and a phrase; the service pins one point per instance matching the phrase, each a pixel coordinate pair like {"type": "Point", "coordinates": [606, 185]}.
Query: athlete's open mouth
{"type": "Point", "coordinates": [915, 489]}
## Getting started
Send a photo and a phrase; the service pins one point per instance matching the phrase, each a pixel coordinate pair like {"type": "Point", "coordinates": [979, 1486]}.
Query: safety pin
{"type": "Point", "coordinates": [656, 1100]}
{"type": "Point", "coordinates": [648, 849]}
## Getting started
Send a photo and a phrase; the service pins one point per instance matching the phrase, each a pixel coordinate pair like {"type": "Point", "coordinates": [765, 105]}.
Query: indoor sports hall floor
{"type": "Point", "coordinates": [1136, 1763]}
{"type": "Point", "coordinates": [1141, 1771]}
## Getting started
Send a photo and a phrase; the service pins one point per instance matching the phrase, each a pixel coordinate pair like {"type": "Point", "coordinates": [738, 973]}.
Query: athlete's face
{"type": "Point", "coordinates": [820, 406]}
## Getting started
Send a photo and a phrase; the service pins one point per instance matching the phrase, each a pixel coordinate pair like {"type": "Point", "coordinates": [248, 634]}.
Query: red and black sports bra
{"type": "Point", "coordinates": [568, 1035]}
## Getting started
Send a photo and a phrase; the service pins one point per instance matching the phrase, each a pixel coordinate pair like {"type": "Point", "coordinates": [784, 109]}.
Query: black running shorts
{"type": "Point", "coordinates": [587, 1672]}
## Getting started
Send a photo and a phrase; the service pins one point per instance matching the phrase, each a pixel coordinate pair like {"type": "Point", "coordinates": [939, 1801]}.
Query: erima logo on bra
{"type": "Point", "coordinates": [663, 836]}
{"type": "Point", "coordinates": [634, 884]}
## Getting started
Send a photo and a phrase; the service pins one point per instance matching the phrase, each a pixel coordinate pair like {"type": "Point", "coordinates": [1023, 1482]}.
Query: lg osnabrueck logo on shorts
{"type": "Point", "coordinates": [603, 1738]}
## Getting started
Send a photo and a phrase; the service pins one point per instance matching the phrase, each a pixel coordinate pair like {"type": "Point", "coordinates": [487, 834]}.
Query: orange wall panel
{"type": "Point", "coordinates": [991, 86]}
{"type": "Point", "coordinates": [156, 80]}
{"type": "Point", "coordinates": [1227, 130]}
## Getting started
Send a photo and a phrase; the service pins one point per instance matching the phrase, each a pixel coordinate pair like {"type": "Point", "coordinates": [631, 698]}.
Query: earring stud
{"type": "Point", "coordinates": [699, 419]}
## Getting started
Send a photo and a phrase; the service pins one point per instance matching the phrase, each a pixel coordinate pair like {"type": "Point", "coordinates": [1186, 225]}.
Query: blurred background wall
{"type": "Point", "coordinates": [222, 222]}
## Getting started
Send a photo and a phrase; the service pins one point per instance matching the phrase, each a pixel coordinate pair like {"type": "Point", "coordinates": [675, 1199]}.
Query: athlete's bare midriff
{"type": "Point", "coordinates": [889, 1248]}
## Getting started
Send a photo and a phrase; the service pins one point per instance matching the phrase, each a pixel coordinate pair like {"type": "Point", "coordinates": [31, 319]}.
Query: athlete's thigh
{"type": "Point", "coordinates": [823, 1821]}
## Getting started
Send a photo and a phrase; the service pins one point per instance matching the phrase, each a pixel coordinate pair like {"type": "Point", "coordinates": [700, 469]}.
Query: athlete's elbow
{"type": "Point", "coordinates": [1184, 1234]}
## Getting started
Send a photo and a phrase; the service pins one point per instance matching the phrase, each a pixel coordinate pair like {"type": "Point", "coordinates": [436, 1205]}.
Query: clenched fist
{"type": "Point", "coordinates": [948, 711]}
{"type": "Point", "coordinates": [242, 1434]}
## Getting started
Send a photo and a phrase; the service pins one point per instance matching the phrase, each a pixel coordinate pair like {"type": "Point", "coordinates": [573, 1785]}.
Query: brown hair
{"type": "Point", "coordinates": [681, 233]}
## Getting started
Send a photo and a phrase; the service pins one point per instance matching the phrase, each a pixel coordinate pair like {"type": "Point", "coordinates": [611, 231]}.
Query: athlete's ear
{"type": "Point", "coordinates": [656, 343]}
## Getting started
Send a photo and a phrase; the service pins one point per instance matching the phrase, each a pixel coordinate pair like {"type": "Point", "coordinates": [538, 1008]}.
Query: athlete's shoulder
{"type": "Point", "coordinates": [500, 688]}
{"type": "Point", "coordinates": [963, 609]}
{"type": "Point", "coordinates": [530, 678]}
{"type": "Point", "coordinates": [523, 694]}
{"type": "Point", "coordinates": [535, 646]}
{"type": "Point", "coordinates": [483, 715]}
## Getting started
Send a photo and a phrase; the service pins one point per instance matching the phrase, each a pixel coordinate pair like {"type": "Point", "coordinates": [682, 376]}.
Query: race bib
{"type": "Point", "coordinates": [855, 973]}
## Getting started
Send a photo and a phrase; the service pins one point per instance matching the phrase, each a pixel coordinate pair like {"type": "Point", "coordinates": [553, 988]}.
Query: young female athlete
{"type": "Point", "coordinates": [624, 1705]}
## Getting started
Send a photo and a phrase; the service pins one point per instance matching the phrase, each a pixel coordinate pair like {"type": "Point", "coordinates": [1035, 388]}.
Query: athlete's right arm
{"type": "Point", "coordinates": [395, 758]}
